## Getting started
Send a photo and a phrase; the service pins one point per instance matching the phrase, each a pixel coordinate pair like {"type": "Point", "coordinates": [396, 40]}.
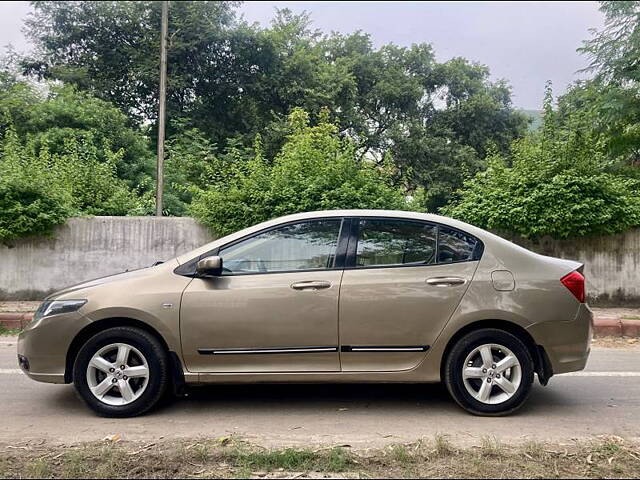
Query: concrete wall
{"type": "Point", "coordinates": [87, 248]}
{"type": "Point", "coordinates": [612, 264]}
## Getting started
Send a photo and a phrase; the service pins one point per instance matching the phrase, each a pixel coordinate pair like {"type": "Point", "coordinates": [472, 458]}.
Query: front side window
{"type": "Point", "coordinates": [395, 242]}
{"type": "Point", "coordinates": [309, 245]}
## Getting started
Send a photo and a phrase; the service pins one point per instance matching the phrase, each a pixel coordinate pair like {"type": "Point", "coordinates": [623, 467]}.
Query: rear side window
{"type": "Point", "coordinates": [455, 246]}
{"type": "Point", "coordinates": [395, 242]}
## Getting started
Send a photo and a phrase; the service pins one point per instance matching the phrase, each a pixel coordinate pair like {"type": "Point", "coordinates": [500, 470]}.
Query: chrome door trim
{"type": "Point", "coordinates": [263, 351]}
{"type": "Point", "coordinates": [384, 348]}
{"type": "Point", "coordinates": [344, 348]}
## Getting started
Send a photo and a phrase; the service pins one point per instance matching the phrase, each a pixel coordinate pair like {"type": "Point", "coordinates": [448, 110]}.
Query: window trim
{"type": "Point", "coordinates": [345, 250]}
{"type": "Point", "coordinates": [187, 269]}
{"type": "Point", "coordinates": [350, 263]}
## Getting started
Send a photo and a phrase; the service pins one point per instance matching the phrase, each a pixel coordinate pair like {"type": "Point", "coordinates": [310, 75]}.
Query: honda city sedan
{"type": "Point", "coordinates": [334, 296]}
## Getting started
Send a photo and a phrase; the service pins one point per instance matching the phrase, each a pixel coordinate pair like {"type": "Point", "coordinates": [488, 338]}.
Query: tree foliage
{"type": "Point", "coordinates": [28, 203]}
{"type": "Point", "coordinates": [614, 50]}
{"type": "Point", "coordinates": [51, 116]}
{"type": "Point", "coordinates": [39, 190]}
{"type": "Point", "coordinates": [555, 182]}
{"type": "Point", "coordinates": [579, 174]}
{"type": "Point", "coordinates": [613, 95]}
{"type": "Point", "coordinates": [231, 81]}
{"type": "Point", "coordinates": [269, 121]}
{"type": "Point", "coordinates": [315, 170]}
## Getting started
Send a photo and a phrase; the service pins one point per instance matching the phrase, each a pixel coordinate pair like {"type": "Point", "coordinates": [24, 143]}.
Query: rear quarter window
{"type": "Point", "coordinates": [457, 246]}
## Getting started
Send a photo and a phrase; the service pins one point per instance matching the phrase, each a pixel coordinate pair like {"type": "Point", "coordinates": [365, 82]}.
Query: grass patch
{"type": "Point", "coordinates": [339, 460]}
{"type": "Point", "coordinates": [443, 447]}
{"type": "Point", "coordinates": [290, 459]}
{"type": "Point", "coordinates": [491, 447]}
{"type": "Point", "coordinates": [400, 453]}
{"type": "Point", "coordinates": [4, 331]}
{"type": "Point", "coordinates": [38, 469]}
{"type": "Point", "coordinates": [533, 449]}
{"type": "Point", "coordinates": [606, 457]}
{"type": "Point", "coordinates": [287, 459]}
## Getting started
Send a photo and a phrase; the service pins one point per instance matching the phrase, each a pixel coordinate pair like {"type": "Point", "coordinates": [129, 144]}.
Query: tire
{"type": "Point", "coordinates": [99, 364]}
{"type": "Point", "coordinates": [465, 376]}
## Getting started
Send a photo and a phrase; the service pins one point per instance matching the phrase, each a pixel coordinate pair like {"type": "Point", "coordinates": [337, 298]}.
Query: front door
{"type": "Point", "coordinates": [274, 309]}
{"type": "Point", "coordinates": [404, 282]}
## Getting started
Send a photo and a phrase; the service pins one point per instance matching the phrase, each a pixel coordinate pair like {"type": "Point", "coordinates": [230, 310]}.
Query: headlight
{"type": "Point", "coordinates": [54, 307]}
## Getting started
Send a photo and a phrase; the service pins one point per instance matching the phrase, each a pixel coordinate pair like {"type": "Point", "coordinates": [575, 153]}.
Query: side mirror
{"type": "Point", "coordinates": [209, 267]}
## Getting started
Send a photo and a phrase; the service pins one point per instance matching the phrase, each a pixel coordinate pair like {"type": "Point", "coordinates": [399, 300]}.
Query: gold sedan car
{"type": "Point", "coordinates": [335, 296]}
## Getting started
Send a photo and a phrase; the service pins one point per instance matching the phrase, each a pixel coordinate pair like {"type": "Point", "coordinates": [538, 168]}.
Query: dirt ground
{"type": "Point", "coordinates": [228, 457]}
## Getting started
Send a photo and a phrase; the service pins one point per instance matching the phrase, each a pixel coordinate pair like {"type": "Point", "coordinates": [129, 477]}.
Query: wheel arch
{"type": "Point", "coordinates": [541, 362]}
{"type": "Point", "coordinates": [94, 327]}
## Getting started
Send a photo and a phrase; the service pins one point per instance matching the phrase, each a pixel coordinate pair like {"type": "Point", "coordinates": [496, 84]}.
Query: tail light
{"type": "Point", "coordinates": [574, 282]}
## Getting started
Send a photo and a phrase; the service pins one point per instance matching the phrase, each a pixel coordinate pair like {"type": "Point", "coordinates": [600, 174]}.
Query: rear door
{"type": "Point", "coordinates": [404, 279]}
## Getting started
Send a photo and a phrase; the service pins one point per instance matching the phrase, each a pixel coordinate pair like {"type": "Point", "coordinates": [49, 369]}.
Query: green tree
{"type": "Point", "coordinates": [615, 50]}
{"type": "Point", "coordinates": [194, 162]}
{"type": "Point", "coordinates": [110, 49]}
{"type": "Point", "coordinates": [315, 170]}
{"type": "Point", "coordinates": [612, 96]}
{"type": "Point", "coordinates": [50, 119]}
{"type": "Point", "coordinates": [232, 81]}
{"type": "Point", "coordinates": [555, 182]}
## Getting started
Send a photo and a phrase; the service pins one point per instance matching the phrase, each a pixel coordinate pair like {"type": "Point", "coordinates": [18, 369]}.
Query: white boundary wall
{"type": "Point", "coordinates": [92, 247]}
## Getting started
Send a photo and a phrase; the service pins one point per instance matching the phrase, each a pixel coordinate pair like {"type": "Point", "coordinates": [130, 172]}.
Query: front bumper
{"type": "Point", "coordinates": [567, 344]}
{"type": "Point", "coordinates": [43, 346]}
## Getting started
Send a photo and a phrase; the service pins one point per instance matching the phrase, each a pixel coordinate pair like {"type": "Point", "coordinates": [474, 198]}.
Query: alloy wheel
{"type": "Point", "coordinates": [491, 373]}
{"type": "Point", "coordinates": [118, 374]}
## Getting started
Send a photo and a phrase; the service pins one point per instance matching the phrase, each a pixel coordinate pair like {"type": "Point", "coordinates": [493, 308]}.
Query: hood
{"type": "Point", "coordinates": [141, 272]}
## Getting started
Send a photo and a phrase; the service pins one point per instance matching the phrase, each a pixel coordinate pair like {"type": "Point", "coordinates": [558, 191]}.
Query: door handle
{"type": "Point", "coordinates": [310, 285]}
{"type": "Point", "coordinates": [445, 281]}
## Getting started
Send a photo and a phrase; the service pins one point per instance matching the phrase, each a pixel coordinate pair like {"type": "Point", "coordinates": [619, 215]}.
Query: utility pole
{"type": "Point", "coordinates": [162, 106]}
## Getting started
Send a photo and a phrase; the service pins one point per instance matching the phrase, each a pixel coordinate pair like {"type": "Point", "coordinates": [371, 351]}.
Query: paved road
{"type": "Point", "coordinates": [605, 399]}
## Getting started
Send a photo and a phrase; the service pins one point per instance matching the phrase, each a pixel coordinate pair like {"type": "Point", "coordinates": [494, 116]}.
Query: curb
{"type": "Point", "coordinates": [616, 327]}
{"type": "Point", "coordinates": [15, 321]}
{"type": "Point", "coordinates": [602, 327]}
{"type": "Point", "coordinates": [630, 328]}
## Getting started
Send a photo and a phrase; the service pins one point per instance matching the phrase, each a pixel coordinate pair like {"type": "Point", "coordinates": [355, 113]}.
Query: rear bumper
{"type": "Point", "coordinates": [567, 344]}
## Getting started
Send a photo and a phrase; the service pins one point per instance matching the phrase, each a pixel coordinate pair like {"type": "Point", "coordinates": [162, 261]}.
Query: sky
{"type": "Point", "coordinates": [526, 43]}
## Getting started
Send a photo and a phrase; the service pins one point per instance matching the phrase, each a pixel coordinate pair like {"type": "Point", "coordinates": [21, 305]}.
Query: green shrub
{"type": "Point", "coordinates": [546, 191]}
{"type": "Point", "coordinates": [93, 183]}
{"type": "Point", "coordinates": [28, 205]}
{"type": "Point", "coordinates": [39, 191]}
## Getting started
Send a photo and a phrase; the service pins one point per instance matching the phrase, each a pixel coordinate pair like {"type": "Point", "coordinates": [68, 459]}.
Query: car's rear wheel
{"type": "Point", "coordinates": [121, 372]}
{"type": "Point", "coordinates": [489, 372]}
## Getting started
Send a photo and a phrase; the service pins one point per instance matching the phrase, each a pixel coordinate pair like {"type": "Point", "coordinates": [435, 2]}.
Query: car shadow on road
{"type": "Point", "coordinates": [331, 397]}
{"type": "Point", "coordinates": [329, 394]}
{"type": "Point", "coordinates": [317, 398]}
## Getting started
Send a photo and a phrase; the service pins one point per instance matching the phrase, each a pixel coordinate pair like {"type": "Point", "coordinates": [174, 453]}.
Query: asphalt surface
{"type": "Point", "coordinates": [604, 399]}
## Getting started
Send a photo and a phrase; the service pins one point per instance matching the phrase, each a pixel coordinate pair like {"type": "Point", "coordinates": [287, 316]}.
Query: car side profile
{"type": "Point", "coordinates": [331, 296]}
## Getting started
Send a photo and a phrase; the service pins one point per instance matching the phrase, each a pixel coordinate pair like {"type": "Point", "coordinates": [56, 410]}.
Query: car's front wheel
{"type": "Point", "coordinates": [121, 372]}
{"type": "Point", "coordinates": [489, 372]}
